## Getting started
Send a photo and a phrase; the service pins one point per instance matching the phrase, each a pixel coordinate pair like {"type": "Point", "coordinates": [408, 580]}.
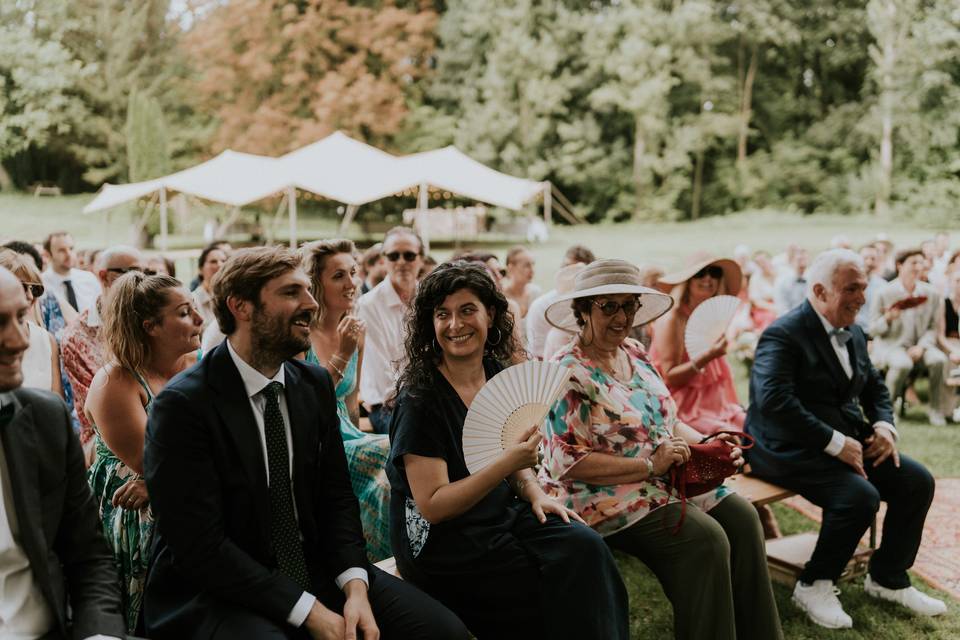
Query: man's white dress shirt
{"type": "Point", "coordinates": [383, 312]}
{"type": "Point", "coordinates": [86, 286]}
{"type": "Point", "coordinates": [254, 383]}
{"type": "Point", "coordinates": [835, 446]}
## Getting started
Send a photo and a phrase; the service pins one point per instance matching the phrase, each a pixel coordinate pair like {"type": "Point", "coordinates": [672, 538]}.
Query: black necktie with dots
{"type": "Point", "coordinates": [284, 532]}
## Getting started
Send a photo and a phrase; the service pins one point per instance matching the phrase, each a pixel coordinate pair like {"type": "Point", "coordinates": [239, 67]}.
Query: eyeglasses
{"type": "Point", "coordinates": [610, 308]}
{"type": "Point", "coordinates": [123, 271]}
{"type": "Point", "coordinates": [33, 288]}
{"type": "Point", "coordinates": [713, 271]}
{"type": "Point", "coordinates": [408, 256]}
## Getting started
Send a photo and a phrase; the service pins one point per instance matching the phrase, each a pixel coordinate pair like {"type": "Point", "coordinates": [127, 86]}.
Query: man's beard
{"type": "Point", "coordinates": [272, 337]}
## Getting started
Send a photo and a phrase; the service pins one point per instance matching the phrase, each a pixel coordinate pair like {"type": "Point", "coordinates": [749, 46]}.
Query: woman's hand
{"type": "Point", "coordinates": [350, 331]}
{"type": "Point", "coordinates": [525, 454]}
{"type": "Point", "coordinates": [736, 453]}
{"type": "Point", "coordinates": [718, 349]}
{"type": "Point", "coordinates": [544, 504]}
{"type": "Point", "coordinates": [132, 495]}
{"type": "Point", "coordinates": [668, 453]}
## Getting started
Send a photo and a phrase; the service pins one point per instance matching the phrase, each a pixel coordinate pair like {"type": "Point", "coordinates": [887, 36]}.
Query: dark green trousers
{"type": "Point", "coordinates": [714, 570]}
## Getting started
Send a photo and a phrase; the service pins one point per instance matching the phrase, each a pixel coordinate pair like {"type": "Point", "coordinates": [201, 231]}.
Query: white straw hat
{"type": "Point", "coordinates": [608, 277]}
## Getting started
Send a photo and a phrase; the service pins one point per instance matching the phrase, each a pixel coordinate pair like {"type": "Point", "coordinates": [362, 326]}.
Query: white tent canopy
{"type": "Point", "coordinates": [452, 170]}
{"type": "Point", "coordinates": [346, 170]}
{"type": "Point", "coordinates": [336, 167]}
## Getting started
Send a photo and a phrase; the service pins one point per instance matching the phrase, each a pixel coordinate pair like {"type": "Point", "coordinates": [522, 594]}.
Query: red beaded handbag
{"type": "Point", "coordinates": [709, 464]}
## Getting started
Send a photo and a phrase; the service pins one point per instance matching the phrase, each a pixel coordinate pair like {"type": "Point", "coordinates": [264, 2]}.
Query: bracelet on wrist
{"type": "Point", "coordinates": [337, 369]}
{"type": "Point", "coordinates": [339, 357]}
{"type": "Point", "coordinates": [649, 463]}
{"type": "Point", "coordinates": [520, 485]}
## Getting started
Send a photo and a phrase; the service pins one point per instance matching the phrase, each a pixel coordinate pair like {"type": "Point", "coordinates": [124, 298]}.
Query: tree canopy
{"type": "Point", "coordinates": [650, 109]}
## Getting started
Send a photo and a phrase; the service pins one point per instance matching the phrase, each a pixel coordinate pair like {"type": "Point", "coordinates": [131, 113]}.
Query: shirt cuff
{"type": "Point", "coordinates": [882, 424]}
{"type": "Point", "coordinates": [835, 446]}
{"type": "Point", "coordinates": [353, 573]}
{"type": "Point", "coordinates": [301, 610]}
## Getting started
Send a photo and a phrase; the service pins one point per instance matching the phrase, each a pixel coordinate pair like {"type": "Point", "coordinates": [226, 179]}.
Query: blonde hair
{"type": "Point", "coordinates": [315, 256]}
{"type": "Point", "coordinates": [21, 265]}
{"type": "Point", "coordinates": [134, 299]}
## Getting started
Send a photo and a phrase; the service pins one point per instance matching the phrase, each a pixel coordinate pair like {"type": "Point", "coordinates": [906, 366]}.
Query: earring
{"type": "Point", "coordinates": [499, 338]}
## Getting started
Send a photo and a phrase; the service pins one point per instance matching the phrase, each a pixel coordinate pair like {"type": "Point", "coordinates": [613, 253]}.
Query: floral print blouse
{"type": "Point", "coordinates": [605, 415]}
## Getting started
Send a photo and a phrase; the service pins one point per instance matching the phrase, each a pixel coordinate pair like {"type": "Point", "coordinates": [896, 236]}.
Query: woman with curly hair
{"type": "Point", "coordinates": [336, 339]}
{"type": "Point", "coordinates": [491, 546]}
{"type": "Point", "coordinates": [152, 332]}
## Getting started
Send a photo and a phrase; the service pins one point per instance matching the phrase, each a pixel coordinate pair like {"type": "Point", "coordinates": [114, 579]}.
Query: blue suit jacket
{"type": "Point", "coordinates": [799, 394]}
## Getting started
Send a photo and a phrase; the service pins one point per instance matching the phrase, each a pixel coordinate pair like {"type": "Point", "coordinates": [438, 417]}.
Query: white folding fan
{"type": "Point", "coordinates": [708, 322]}
{"type": "Point", "coordinates": [510, 403]}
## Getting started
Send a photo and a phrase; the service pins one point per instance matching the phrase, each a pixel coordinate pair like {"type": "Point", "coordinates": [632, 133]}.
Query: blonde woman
{"type": "Point", "coordinates": [41, 360]}
{"type": "Point", "coordinates": [337, 339]}
{"type": "Point", "coordinates": [152, 332]}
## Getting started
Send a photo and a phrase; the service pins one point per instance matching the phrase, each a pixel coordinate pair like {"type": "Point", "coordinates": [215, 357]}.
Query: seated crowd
{"type": "Point", "coordinates": [229, 459]}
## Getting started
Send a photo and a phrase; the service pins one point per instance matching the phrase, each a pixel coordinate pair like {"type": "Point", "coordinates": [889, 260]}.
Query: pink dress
{"type": "Point", "coordinates": [708, 403]}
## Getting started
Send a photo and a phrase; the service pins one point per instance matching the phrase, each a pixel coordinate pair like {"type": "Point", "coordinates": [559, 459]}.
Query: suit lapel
{"type": "Point", "coordinates": [821, 340]}
{"type": "Point", "coordinates": [233, 405]}
{"type": "Point", "coordinates": [21, 450]}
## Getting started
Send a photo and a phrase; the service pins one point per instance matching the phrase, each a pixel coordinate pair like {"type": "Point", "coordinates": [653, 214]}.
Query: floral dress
{"type": "Point", "coordinates": [604, 415]}
{"type": "Point", "coordinates": [367, 455]}
{"type": "Point", "coordinates": [129, 533]}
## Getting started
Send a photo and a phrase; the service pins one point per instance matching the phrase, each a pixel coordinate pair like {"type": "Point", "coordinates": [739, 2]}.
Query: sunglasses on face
{"type": "Point", "coordinates": [33, 288]}
{"type": "Point", "coordinates": [610, 307]}
{"type": "Point", "coordinates": [713, 271]}
{"type": "Point", "coordinates": [408, 256]}
{"type": "Point", "coordinates": [122, 271]}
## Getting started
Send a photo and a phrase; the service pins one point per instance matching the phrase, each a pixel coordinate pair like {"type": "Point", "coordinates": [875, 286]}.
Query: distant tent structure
{"type": "Point", "coordinates": [338, 168]}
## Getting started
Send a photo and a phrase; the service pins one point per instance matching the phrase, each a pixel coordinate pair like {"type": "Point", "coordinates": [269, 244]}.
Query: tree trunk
{"type": "Point", "coordinates": [6, 182]}
{"type": "Point", "coordinates": [746, 107]}
{"type": "Point", "coordinates": [639, 168]}
{"type": "Point", "coordinates": [697, 185]}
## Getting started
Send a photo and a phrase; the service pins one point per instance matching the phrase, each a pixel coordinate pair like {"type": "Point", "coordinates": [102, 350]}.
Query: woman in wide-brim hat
{"type": "Point", "coordinates": [610, 441]}
{"type": "Point", "coordinates": [702, 387]}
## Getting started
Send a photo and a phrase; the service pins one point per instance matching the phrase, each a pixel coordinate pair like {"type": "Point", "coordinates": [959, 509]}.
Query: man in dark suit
{"type": "Point", "coordinates": [823, 424]}
{"type": "Point", "coordinates": [259, 530]}
{"type": "Point", "coordinates": [52, 555]}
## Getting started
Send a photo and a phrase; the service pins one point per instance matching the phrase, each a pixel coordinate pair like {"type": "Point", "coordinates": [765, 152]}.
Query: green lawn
{"type": "Point", "coordinates": [666, 244]}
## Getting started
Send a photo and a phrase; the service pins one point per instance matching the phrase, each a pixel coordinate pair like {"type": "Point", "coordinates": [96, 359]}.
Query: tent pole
{"type": "Point", "coordinates": [422, 206]}
{"type": "Point", "coordinates": [164, 222]}
{"type": "Point", "coordinates": [292, 210]}
{"type": "Point", "coordinates": [348, 218]}
{"type": "Point", "coordinates": [547, 202]}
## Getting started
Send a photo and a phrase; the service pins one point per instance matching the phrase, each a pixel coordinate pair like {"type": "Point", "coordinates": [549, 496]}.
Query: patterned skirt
{"type": "Point", "coordinates": [129, 533]}
{"type": "Point", "coordinates": [367, 459]}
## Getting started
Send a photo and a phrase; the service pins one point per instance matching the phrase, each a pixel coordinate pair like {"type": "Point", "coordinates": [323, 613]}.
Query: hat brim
{"type": "Point", "coordinates": [732, 275]}
{"type": "Point", "coordinates": [653, 304]}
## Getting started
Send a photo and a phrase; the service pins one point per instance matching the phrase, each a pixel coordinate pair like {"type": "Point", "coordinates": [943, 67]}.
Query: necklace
{"type": "Point", "coordinates": [618, 369]}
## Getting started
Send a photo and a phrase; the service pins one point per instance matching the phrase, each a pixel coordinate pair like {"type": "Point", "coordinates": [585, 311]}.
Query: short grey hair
{"type": "Point", "coordinates": [826, 264]}
{"type": "Point", "coordinates": [105, 256]}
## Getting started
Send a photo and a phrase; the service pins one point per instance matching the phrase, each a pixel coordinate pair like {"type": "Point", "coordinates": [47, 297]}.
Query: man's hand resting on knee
{"type": "Point", "coordinates": [852, 454]}
{"type": "Point", "coordinates": [880, 446]}
{"type": "Point", "coordinates": [356, 622]}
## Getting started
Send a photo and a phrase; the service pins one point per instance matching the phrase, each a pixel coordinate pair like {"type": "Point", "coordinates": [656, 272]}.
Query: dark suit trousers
{"type": "Point", "coordinates": [850, 504]}
{"type": "Point", "coordinates": [402, 612]}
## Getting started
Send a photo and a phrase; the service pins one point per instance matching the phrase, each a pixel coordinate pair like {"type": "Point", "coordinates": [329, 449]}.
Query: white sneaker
{"type": "Point", "coordinates": [820, 602]}
{"type": "Point", "coordinates": [910, 597]}
{"type": "Point", "coordinates": [936, 419]}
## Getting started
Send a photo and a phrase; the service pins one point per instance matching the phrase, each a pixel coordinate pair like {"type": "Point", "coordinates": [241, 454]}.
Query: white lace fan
{"type": "Point", "coordinates": [510, 403]}
{"type": "Point", "coordinates": [708, 322]}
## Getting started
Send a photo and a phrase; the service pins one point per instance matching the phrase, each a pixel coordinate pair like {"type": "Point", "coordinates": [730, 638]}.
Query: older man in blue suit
{"type": "Point", "coordinates": [823, 422]}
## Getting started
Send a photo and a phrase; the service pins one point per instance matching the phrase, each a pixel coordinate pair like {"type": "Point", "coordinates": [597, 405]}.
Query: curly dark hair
{"type": "Point", "coordinates": [422, 358]}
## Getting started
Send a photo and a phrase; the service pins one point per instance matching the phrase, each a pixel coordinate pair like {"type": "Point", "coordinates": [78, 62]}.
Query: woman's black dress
{"type": "Point", "coordinates": [505, 574]}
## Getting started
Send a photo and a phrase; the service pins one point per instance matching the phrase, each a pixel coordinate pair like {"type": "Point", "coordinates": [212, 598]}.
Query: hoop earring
{"type": "Point", "coordinates": [499, 338]}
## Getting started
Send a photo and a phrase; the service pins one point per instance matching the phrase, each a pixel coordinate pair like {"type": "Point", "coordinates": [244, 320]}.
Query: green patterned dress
{"type": "Point", "coordinates": [129, 533]}
{"type": "Point", "coordinates": [367, 455]}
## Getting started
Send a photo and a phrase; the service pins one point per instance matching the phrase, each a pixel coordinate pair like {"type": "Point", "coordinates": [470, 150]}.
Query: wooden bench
{"type": "Point", "coordinates": [787, 556]}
